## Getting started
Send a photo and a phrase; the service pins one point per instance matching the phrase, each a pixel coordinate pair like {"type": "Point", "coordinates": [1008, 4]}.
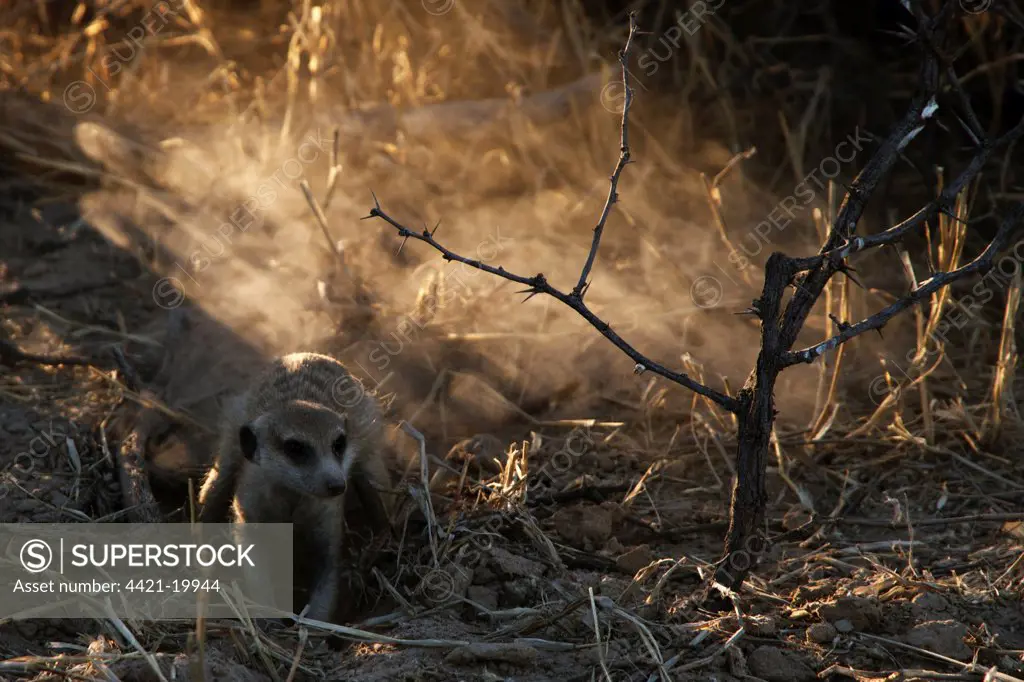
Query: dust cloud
{"type": "Point", "coordinates": [517, 176]}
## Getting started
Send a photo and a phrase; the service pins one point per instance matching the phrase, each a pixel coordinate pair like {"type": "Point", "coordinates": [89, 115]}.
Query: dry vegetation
{"type": "Point", "coordinates": [572, 534]}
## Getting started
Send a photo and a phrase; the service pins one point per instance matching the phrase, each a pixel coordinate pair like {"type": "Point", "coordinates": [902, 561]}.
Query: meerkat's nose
{"type": "Point", "coordinates": [335, 488]}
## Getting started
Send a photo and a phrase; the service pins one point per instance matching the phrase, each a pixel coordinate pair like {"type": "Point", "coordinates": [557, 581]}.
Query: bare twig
{"type": "Point", "coordinates": [982, 264]}
{"type": "Point", "coordinates": [581, 286]}
{"type": "Point", "coordinates": [943, 204]}
{"type": "Point", "coordinates": [538, 284]}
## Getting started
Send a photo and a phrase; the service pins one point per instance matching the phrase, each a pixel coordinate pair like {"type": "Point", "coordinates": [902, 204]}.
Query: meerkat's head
{"type": "Point", "coordinates": [302, 446]}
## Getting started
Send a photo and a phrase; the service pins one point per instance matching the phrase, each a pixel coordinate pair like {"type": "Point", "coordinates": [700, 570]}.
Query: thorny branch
{"type": "Point", "coordinates": [538, 284]}
{"type": "Point", "coordinates": [582, 284]}
{"type": "Point", "coordinates": [943, 204]}
{"type": "Point", "coordinates": [982, 264]}
{"type": "Point", "coordinates": [852, 208]}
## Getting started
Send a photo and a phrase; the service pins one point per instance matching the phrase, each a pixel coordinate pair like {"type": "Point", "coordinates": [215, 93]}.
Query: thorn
{"type": "Point", "coordinates": [401, 246]}
{"type": "Point", "coordinates": [847, 270]}
{"type": "Point", "coordinates": [948, 212]}
{"type": "Point", "coordinates": [754, 309]}
{"type": "Point", "coordinates": [843, 326]}
{"type": "Point", "coordinates": [435, 227]}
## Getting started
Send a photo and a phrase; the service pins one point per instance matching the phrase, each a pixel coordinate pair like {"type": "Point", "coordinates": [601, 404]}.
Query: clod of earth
{"type": "Point", "coordinates": [584, 526]}
{"type": "Point", "coordinates": [775, 665]}
{"type": "Point", "coordinates": [862, 614]}
{"type": "Point", "coordinates": [944, 637]}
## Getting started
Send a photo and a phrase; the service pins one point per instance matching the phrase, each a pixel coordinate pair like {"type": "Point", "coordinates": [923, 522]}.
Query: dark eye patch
{"type": "Point", "coordinates": [297, 450]}
{"type": "Point", "coordinates": [247, 441]}
{"type": "Point", "coordinates": [339, 444]}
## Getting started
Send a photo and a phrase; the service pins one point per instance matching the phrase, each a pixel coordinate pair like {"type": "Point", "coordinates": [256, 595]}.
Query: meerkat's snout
{"type": "Point", "coordinates": [333, 478]}
{"type": "Point", "coordinates": [303, 446]}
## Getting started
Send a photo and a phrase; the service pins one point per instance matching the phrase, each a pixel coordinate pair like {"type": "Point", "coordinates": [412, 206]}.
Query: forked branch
{"type": "Point", "coordinates": [754, 404]}
{"type": "Point", "coordinates": [942, 204]}
{"type": "Point", "coordinates": [538, 284]}
{"type": "Point", "coordinates": [982, 264]}
{"type": "Point", "coordinates": [613, 196]}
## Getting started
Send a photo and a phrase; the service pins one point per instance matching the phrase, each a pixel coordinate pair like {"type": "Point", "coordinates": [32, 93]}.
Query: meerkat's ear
{"type": "Point", "coordinates": [247, 441]}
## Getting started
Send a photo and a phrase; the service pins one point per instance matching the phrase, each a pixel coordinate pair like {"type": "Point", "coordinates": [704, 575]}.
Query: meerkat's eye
{"type": "Point", "coordinates": [296, 449]}
{"type": "Point", "coordinates": [339, 445]}
{"type": "Point", "coordinates": [247, 441]}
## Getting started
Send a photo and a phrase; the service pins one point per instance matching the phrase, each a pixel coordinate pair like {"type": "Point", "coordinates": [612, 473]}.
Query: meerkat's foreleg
{"type": "Point", "coordinates": [323, 595]}
{"type": "Point", "coordinates": [364, 485]}
{"type": "Point", "coordinates": [221, 482]}
{"type": "Point", "coordinates": [251, 507]}
{"type": "Point", "coordinates": [217, 493]}
{"type": "Point", "coordinates": [259, 578]}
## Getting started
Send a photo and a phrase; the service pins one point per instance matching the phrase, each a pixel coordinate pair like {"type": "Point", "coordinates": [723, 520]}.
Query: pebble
{"type": "Point", "coordinates": [821, 633]}
{"type": "Point", "coordinates": [844, 625]}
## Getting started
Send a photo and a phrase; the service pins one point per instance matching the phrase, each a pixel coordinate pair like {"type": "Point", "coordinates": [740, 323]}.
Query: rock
{"type": "Point", "coordinates": [761, 626]}
{"type": "Point", "coordinates": [795, 517]}
{"type": "Point", "coordinates": [863, 614]}
{"type": "Point", "coordinates": [509, 565]}
{"type": "Point", "coordinates": [26, 506]}
{"type": "Point", "coordinates": [944, 637]}
{"type": "Point", "coordinates": [844, 625]}
{"type": "Point", "coordinates": [635, 559]}
{"type": "Point", "coordinates": [927, 604]}
{"type": "Point", "coordinates": [483, 575]}
{"type": "Point", "coordinates": [26, 628]}
{"type": "Point", "coordinates": [16, 425]}
{"type": "Point", "coordinates": [821, 633]}
{"type": "Point", "coordinates": [518, 593]}
{"type": "Point", "coordinates": [449, 582]}
{"type": "Point", "coordinates": [484, 596]}
{"type": "Point", "coordinates": [584, 526]}
{"type": "Point", "coordinates": [806, 593]}
{"type": "Point", "coordinates": [774, 665]}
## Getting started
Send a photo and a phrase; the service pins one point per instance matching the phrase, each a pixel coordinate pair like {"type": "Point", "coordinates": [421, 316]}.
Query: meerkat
{"type": "Point", "coordinates": [289, 449]}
